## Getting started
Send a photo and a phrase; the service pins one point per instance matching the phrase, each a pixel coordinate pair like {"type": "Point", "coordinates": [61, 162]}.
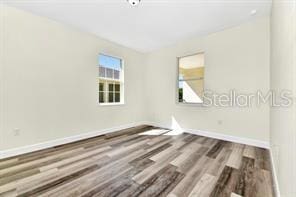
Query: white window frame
{"type": "Point", "coordinates": [121, 81]}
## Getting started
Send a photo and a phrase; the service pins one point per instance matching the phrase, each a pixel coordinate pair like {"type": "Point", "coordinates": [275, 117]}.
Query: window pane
{"type": "Point", "coordinates": [111, 87]}
{"type": "Point", "coordinates": [111, 97]}
{"type": "Point", "coordinates": [109, 73]}
{"type": "Point", "coordinates": [102, 71]}
{"type": "Point", "coordinates": [190, 91]}
{"type": "Point", "coordinates": [109, 62]}
{"type": "Point", "coordinates": [191, 78]}
{"type": "Point", "coordinates": [116, 74]}
{"type": "Point", "coordinates": [101, 87]}
{"type": "Point", "coordinates": [191, 67]}
{"type": "Point", "coordinates": [109, 78]}
{"type": "Point", "coordinates": [117, 97]}
{"type": "Point", "coordinates": [117, 87]}
{"type": "Point", "coordinates": [101, 97]}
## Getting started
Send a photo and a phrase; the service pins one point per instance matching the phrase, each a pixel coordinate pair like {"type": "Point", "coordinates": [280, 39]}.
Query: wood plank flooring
{"type": "Point", "coordinates": [140, 161]}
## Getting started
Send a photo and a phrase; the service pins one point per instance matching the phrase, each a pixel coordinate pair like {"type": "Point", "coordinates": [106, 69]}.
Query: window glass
{"type": "Point", "coordinates": [111, 85]}
{"type": "Point", "coordinates": [191, 78]}
{"type": "Point", "coordinates": [111, 97]}
{"type": "Point", "coordinates": [110, 79]}
{"type": "Point", "coordinates": [101, 97]}
{"type": "Point", "coordinates": [117, 97]}
{"type": "Point", "coordinates": [101, 87]}
{"type": "Point", "coordinates": [117, 87]}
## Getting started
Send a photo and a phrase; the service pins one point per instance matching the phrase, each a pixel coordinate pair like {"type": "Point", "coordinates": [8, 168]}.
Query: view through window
{"type": "Point", "coordinates": [191, 78]}
{"type": "Point", "coordinates": [110, 79]}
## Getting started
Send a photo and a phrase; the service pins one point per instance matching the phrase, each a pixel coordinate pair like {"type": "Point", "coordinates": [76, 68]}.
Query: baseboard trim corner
{"type": "Point", "coordinates": [52, 143]}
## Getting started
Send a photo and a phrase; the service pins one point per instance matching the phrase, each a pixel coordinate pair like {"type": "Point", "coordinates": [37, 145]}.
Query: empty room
{"type": "Point", "coordinates": [148, 98]}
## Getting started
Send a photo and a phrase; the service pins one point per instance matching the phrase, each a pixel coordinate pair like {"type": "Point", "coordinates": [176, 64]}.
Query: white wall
{"type": "Point", "coordinates": [283, 72]}
{"type": "Point", "coordinates": [50, 87]}
{"type": "Point", "coordinates": [236, 58]}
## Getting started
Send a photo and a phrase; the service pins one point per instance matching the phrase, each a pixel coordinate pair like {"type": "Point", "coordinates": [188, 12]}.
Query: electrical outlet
{"type": "Point", "coordinates": [16, 131]}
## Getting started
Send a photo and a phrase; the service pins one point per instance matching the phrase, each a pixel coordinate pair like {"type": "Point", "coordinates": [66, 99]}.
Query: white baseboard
{"type": "Point", "coordinates": [274, 174]}
{"type": "Point", "coordinates": [247, 141]}
{"type": "Point", "coordinates": [52, 143]}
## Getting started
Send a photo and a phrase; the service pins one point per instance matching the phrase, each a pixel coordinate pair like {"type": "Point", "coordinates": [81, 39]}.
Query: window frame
{"type": "Point", "coordinates": [121, 82]}
{"type": "Point", "coordinates": [177, 80]}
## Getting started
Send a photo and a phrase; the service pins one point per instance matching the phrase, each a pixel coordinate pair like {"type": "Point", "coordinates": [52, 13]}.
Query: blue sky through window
{"type": "Point", "coordinates": [109, 62]}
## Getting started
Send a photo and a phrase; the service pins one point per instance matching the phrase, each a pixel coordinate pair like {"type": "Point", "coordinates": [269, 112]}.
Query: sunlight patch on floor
{"type": "Point", "coordinates": [176, 128]}
{"type": "Point", "coordinates": [155, 132]}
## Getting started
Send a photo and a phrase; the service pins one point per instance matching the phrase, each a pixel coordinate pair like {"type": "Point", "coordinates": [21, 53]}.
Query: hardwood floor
{"type": "Point", "coordinates": [140, 161]}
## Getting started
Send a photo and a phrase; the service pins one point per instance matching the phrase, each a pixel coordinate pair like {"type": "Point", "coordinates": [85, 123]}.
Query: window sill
{"type": "Point", "coordinates": [191, 104]}
{"type": "Point", "coordinates": [110, 104]}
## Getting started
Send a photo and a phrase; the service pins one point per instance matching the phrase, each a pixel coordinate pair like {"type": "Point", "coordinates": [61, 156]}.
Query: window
{"type": "Point", "coordinates": [110, 80]}
{"type": "Point", "coordinates": [191, 78]}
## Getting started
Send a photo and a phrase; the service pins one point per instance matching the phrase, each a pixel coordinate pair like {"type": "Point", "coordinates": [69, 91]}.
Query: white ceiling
{"type": "Point", "coordinates": [151, 25]}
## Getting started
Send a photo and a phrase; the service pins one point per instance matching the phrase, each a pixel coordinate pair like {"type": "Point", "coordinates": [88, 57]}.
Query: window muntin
{"type": "Point", "coordinates": [191, 78]}
{"type": "Point", "coordinates": [110, 79]}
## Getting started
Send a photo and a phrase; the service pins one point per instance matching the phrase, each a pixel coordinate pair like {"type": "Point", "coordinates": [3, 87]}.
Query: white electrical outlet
{"type": "Point", "coordinates": [16, 131]}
